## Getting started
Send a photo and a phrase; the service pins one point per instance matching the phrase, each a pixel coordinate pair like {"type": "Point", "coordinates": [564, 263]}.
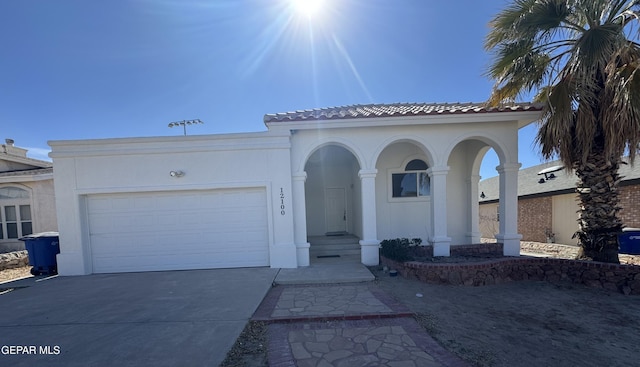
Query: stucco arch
{"type": "Point", "coordinates": [428, 151]}
{"type": "Point", "coordinates": [503, 153]}
{"type": "Point", "coordinates": [19, 186]}
{"type": "Point", "coordinates": [477, 162]}
{"type": "Point", "coordinates": [343, 143]}
{"type": "Point", "coordinates": [26, 188]}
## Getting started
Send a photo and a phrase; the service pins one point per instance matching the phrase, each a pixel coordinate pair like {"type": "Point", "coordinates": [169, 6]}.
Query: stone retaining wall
{"type": "Point", "coordinates": [14, 259]}
{"type": "Point", "coordinates": [621, 278]}
{"type": "Point", "coordinates": [486, 249]}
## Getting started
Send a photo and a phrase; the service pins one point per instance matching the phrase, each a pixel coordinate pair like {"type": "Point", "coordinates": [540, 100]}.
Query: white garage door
{"type": "Point", "coordinates": [178, 230]}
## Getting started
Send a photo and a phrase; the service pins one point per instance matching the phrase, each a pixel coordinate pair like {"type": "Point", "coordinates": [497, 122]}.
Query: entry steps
{"type": "Point", "coordinates": [330, 246]}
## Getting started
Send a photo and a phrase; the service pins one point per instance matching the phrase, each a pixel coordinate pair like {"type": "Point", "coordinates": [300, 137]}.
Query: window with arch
{"type": "Point", "coordinates": [413, 181]}
{"type": "Point", "coordinates": [15, 213]}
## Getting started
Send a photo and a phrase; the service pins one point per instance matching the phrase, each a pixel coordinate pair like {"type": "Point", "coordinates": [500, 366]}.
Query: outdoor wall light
{"type": "Point", "coordinates": [176, 173]}
{"type": "Point", "coordinates": [482, 196]}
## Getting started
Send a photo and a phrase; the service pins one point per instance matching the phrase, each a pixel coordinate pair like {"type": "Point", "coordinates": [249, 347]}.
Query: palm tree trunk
{"type": "Point", "coordinates": [598, 222]}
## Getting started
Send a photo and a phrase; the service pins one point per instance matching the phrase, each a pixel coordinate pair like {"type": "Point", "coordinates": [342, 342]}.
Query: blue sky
{"type": "Point", "coordinates": [78, 69]}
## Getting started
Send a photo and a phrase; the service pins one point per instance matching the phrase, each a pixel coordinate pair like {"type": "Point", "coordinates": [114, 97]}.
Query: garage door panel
{"type": "Point", "coordinates": [188, 261]}
{"type": "Point", "coordinates": [106, 223]}
{"type": "Point", "coordinates": [169, 231]}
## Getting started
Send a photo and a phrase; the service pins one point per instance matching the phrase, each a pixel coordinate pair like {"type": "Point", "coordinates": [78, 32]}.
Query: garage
{"type": "Point", "coordinates": [199, 229]}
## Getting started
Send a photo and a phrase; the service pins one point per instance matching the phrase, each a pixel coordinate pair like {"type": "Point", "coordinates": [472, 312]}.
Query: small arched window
{"type": "Point", "coordinates": [413, 181]}
{"type": "Point", "coordinates": [15, 213]}
{"type": "Point", "coordinates": [416, 165]}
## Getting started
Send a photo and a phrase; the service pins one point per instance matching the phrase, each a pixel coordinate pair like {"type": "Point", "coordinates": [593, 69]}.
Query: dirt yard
{"type": "Point", "coordinates": [516, 324]}
{"type": "Point", "coordinates": [526, 323]}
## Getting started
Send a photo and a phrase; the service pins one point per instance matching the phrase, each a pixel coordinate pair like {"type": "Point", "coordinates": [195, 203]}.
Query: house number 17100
{"type": "Point", "coordinates": [282, 212]}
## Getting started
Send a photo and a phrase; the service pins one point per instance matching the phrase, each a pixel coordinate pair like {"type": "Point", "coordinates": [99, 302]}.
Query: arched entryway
{"type": "Point", "coordinates": [463, 217]}
{"type": "Point", "coordinates": [333, 203]}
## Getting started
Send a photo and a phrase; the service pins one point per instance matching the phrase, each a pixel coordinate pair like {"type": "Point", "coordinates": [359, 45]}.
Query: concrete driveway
{"type": "Point", "coordinates": [176, 318]}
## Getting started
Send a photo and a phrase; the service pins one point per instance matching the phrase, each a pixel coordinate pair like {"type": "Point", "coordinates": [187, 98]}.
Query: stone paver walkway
{"type": "Point", "coordinates": [312, 302]}
{"type": "Point", "coordinates": [345, 325]}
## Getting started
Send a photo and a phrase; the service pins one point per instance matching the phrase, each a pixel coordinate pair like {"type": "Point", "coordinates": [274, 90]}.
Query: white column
{"type": "Point", "coordinates": [369, 244]}
{"type": "Point", "coordinates": [473, 236]}
{"type": "Point", "coordinates": [300, 219]}
{"type": "Point", "coordinates": [508, 209]}
{"type": "Point", "coordinates": [439, 240]}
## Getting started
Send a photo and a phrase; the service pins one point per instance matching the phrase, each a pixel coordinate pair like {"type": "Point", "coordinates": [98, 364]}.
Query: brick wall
{"type": "Point", "coordinates": [630, 203]}
{"type": "Point", "coordinates": [534, 218]}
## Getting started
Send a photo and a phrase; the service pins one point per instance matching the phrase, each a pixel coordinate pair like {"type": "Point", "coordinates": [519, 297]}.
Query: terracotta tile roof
{"type": "Point", "coordinates": [395, 109]}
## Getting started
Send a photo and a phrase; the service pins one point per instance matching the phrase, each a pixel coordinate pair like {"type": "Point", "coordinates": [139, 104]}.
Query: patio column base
{"type": "Point", "coordinates": [510, 244]}
{"type": "Point", "coordinates": [441, 246]}
{"type": "Point", "coordinates": [370, 252]}
{"type": "Point", "coordinates": [302, 253]}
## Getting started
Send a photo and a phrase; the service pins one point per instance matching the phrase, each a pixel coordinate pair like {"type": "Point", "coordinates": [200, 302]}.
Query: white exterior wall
{"type": "Point", "coordinates": [400, 217]}
{"type": "Point", "coordinates": [457, 197]}
{"type": "Point", "coordinates": [450, 145]}
{"type": "Point", "coordinates": [143, 164]}
{"type": "Point", "coordinates": [44, 206]}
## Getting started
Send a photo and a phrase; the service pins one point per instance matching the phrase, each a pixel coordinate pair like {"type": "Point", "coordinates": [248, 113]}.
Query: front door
{"type": "Point", "coordinates": [335, 210]}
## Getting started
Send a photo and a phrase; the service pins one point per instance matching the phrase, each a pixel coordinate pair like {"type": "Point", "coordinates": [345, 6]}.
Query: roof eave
{"type": "Point", "coordinates": [523, 118]}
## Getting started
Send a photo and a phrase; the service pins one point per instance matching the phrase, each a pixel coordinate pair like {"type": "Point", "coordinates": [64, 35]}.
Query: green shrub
{"type": "Point", "coordinates": [399, 249]}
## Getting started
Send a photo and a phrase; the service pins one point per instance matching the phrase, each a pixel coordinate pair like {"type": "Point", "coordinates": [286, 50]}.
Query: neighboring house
{"type": "Point", "coordinates": [547, 203]}
{"type": "Point", "coordinates": [27, 201]}
{"type": "Point", "coordinates": [254, 199]}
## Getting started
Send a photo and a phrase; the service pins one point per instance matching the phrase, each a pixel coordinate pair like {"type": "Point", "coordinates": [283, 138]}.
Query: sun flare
{"type": "Point", "coordinates": [308, 7]}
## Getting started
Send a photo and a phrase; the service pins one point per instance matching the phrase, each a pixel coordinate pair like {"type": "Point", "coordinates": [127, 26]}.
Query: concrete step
{"type": "Point", "coordinates": [325, 271]}
{"type": "Point", "coordinates": [331, 240]}
{"type": "Point", "coordinates": [315, 254]}
{"type": "Point", "coordinates": [335, 249]}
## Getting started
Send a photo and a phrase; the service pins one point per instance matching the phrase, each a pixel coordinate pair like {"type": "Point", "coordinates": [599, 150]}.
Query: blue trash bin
{"type": "Point", "coordinates": [42, 249]}
{"type": "Point", "coordinates": [629, 241]}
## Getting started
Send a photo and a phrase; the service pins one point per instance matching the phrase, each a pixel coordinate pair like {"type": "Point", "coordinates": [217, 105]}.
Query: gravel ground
{"type": "Point", "coordinates": [250, 348]}
{"type": "Point", "coordinates": [15, 273]}
{"type": "Point", "coordinates": [12, 274]}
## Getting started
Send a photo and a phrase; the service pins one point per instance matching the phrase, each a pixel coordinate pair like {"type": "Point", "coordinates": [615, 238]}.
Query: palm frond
{"type": "Point", "coordinates": [620, 115]}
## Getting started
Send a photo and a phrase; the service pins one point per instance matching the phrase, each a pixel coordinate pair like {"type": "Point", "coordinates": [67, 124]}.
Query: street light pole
{"type": "Point", "coordinates": [184, 124]}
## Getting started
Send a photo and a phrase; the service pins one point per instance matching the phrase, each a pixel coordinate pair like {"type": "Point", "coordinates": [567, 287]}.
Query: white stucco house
{"type": "Point", "coordinates": [254, 199]}
{"type": "Point", "coordinates": [27, 202]}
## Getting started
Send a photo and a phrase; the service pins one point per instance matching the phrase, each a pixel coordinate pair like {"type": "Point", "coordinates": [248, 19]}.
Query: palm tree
{"type": "Point", "coordinates": [582, 59]}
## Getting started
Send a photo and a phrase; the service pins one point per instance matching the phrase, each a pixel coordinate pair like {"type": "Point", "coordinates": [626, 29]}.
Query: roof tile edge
{"type": "Point", "coordinates": [395, 109]}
